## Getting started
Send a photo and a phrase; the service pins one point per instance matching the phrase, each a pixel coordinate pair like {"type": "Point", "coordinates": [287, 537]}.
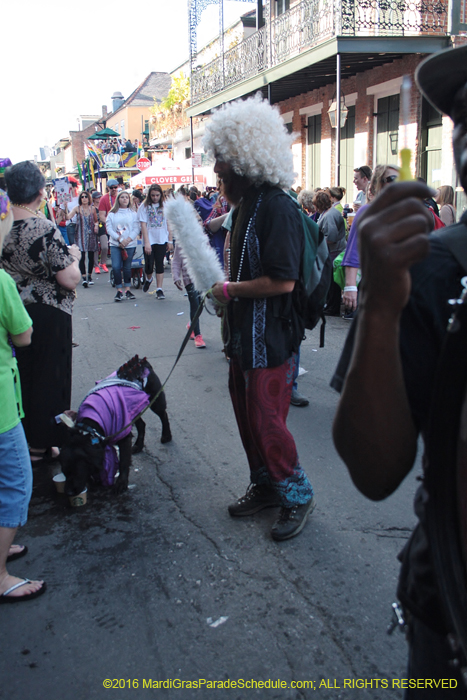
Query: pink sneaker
{"type": "Point", "coordinates": [104, 267]}
{"type": "Point", "coordinates": [192, 336]}
{"type": "Point", "coordinates": [199, 342]}
{"type": "Point", "coordinates": [97, 270]}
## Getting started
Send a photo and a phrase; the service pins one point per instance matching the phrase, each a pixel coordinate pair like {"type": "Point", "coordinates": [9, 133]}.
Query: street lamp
{"type": "Point", "coordinates": [332, 112]}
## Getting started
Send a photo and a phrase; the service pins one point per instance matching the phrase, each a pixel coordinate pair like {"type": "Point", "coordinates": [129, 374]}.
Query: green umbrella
{"type": "Point", "coordinates": [104, 134]}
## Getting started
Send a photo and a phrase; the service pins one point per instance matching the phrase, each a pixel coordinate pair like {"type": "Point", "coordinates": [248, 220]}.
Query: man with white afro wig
{"type": "Point", "coordinates": [253, 156]}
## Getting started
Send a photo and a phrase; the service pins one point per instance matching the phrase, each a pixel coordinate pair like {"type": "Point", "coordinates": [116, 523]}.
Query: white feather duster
{"type": "Point", "coordinates": [201, 259]}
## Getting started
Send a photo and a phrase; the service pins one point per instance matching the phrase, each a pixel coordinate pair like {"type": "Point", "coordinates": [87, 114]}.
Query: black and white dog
{"type": "Point", "coordinates": [103, 422]}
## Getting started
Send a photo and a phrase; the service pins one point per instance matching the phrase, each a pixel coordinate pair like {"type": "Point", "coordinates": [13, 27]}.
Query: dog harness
{"type": "Point", "coordinates": [113, 404]}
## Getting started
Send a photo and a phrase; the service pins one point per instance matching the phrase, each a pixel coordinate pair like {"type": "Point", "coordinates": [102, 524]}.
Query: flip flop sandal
{"type": "Point", "coordinates": [18, 599]}
{"type": "Point", "coordinates": [18, 554]}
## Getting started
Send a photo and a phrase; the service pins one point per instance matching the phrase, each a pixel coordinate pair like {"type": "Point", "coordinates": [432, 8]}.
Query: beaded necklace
{"type": "Point", "coordinates": [34, 213]}
{"type": "Point", "coordinates": [251, 222]}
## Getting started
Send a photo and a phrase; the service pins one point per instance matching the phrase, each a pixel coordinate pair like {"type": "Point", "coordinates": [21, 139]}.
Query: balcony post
{"type": "Point", "coordinates": [270, 31]}
{"type": "Point", "coordinates": [259, 15]}
{"type": "Point", "coordinates": [192, 142]}
{"type": "Point", "coordinates": [221, 39]}
{"type": "Point", "coordinates": [338, 117]}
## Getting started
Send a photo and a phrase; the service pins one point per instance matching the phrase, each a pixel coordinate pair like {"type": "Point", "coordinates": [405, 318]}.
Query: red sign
{"type": "Point", "coordinates": [143, 163]}
{"type": "Point", "coordinates": [171, 179]}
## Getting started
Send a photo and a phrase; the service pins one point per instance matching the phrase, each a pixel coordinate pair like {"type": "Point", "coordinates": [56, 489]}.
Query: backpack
{"type": "Point", "coordinates": [315, 274]}
{"type": "Point", "coordinates": [315, 270]}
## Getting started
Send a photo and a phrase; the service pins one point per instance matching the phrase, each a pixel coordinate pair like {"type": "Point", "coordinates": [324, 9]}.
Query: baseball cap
{"type": "Point", "coordinates": [441, 75]}
{"type": "Point", "coordinates": [112, 182]}
{"type": "Point", "coordinates": [96, 194]}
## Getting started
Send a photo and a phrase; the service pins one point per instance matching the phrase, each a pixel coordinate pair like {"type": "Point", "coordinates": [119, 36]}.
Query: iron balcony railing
{"type": "Point", "coordinates": [309, 23]}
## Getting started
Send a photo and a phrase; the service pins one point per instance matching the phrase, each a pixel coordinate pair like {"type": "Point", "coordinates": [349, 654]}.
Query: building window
{"type": "Point", "coordinates": [122, 125]}
{"type": "Point", "coordinates": [289, 127]}
{"type": "Point", "coordinates": [281, 6]}
{"type": "Point", "coordinates": [187, 153]}
{"type": "Point", "coordinates": [347, 155]}
{"type": "Point", "coordinates": [314, 152]}
{"type": "Point", "coordinates": [431, 144]}
{"type": "Point", "coordinates": [387, 130]}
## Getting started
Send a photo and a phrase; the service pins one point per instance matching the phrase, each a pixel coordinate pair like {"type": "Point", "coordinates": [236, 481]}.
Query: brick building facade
{"type": "Point", "coordinates": [299, 56]}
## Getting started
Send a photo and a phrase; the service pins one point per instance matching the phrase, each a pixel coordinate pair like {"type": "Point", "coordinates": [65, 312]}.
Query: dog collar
{"type": "Point", "coordinates": [96, 437]}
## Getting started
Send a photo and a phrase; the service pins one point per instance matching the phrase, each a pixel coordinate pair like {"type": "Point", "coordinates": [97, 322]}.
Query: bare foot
{"type": "Point", "coordinates": [9, 581]}
{"type": "Point", "coordinates": [15, 549]}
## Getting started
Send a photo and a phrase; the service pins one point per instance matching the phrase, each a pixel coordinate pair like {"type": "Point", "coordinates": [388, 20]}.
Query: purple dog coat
{"type": "Point", "coordinates": [113, 408]}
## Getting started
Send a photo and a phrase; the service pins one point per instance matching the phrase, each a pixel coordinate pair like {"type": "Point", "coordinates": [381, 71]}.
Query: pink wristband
{"type": "Point", "coordinates": [224, 289]}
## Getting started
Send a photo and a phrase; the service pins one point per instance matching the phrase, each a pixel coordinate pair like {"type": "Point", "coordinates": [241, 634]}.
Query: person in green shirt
{"type": "Point", "coordinates": [15, 463]}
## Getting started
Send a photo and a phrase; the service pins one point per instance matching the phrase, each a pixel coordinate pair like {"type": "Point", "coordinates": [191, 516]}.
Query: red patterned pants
{"type": "Point", "coordinates": [261, 400]}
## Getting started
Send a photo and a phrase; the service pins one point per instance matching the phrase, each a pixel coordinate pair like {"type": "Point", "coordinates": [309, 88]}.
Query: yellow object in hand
{"type": "Point", "coordinates": [405, 172]}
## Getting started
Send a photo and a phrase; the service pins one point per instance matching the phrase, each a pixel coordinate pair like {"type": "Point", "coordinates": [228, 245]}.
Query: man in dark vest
{"type": "Point", "coordinates": [387, 370]}
{"type": "Point", "coordinates": [252, 149]}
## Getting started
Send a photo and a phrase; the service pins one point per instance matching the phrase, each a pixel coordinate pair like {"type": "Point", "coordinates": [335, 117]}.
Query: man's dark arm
{"type": "Point", "coordinates": [259, 288]}
{"type": "Point", "coordinates": [373, 428]}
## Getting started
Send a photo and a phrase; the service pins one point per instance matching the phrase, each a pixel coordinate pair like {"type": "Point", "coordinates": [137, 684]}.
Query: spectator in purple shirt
{"type": "Point", "coordinates": [382, 176]}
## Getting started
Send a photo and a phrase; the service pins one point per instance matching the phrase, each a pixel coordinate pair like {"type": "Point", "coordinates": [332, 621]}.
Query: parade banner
{"type": "Point", "coordinates": [95, 153]}
{"type": "Point", "coordinates": [128, 159]}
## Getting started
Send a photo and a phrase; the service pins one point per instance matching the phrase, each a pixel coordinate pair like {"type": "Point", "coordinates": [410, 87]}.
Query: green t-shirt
{"type": "Point", "coordinates": [14, 319]}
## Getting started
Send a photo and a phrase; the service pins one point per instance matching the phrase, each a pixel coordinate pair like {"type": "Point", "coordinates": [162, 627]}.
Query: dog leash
{"type": "Point", "coordinates": [221, 313]}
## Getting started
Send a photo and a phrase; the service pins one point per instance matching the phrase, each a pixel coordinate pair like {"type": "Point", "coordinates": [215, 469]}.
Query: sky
{"type": "Point", "coordinates": [64, 59]}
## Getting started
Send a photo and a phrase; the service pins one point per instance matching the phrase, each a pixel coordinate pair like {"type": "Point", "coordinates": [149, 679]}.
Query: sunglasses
{"type": "Point", "coordinates": [390, 178]}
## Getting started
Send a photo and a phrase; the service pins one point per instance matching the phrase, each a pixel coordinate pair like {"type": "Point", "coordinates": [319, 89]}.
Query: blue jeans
{"type": "Point", "coordinates": [64, 233]}
{"type": "Point", "coordinates": [71, 230]}
{"type": "Point", "coordinates": [15, 477]}
{"type": "Point", "coordinates": [118, 264]}
{"type": "Point", "coordinates": [295, 372]}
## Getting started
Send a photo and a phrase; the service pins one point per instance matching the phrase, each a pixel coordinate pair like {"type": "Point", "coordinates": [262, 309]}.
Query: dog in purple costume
{"type": "Point", "coordinates": [103, 422]}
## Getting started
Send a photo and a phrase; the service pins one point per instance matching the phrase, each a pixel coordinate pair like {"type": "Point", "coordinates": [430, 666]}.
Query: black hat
{"type": "Point", "coordinates": [441, 75]}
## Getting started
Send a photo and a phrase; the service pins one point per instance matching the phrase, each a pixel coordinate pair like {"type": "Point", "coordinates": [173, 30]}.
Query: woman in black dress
{"type": "Point", "coordinates": [46, 273]}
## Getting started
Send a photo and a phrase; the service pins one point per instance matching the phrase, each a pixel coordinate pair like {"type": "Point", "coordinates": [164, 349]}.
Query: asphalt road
{"type": "Point", "coordinates": [161, 584]}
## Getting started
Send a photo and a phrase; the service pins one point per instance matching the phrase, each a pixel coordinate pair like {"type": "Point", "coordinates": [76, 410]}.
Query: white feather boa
{"type": "Point", "coordinates": [201, 259]}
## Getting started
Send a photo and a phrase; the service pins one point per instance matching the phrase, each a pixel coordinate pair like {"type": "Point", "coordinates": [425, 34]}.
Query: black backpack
{"type": "Point", "coordinates": [315, 274]}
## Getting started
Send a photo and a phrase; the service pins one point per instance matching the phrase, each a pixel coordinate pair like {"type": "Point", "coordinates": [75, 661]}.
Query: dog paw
{"type": "Point", "coordinates": [137, 447]}
{"type": "Point", "coordinates": [166, 438]}
{"type": "Point", "coordinates": [120, 486]}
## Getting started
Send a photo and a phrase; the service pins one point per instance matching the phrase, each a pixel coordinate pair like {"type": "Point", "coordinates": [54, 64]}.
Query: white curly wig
{"type": "Point", "coordinates": [250, 136]}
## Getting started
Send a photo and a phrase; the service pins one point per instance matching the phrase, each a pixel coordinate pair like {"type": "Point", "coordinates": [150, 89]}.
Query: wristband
{"type": "Point", "coordinates": [350, 289]}
{"type": "Point", "coordinates": [226, 294]}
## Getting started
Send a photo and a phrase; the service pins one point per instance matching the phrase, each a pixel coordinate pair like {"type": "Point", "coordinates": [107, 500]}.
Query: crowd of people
{"type": "Point", "coordinates": [408, 277]}
{"type": "Point", "coordinates": [322, 205]}
{"type": "Point", "coordinates": [116, 145]}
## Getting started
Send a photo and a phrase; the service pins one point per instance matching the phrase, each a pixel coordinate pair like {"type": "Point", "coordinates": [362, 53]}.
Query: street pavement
{"type": "Point", "coordinates": [161, 585]}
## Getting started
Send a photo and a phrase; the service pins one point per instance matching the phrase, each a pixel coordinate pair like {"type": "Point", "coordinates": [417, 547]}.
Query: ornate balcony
{"type": "Point", "coordinates": [310, 23]}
